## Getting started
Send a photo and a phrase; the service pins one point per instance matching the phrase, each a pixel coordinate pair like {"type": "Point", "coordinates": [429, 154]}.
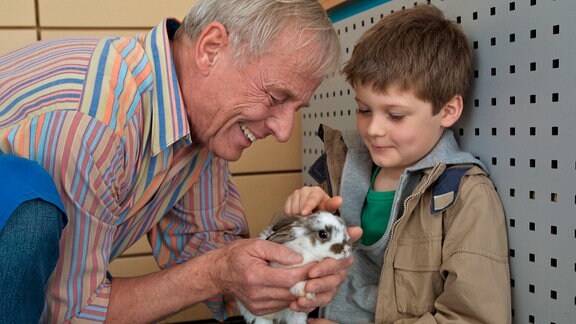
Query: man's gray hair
{"type": "Point", "coordinates": [254, 25]}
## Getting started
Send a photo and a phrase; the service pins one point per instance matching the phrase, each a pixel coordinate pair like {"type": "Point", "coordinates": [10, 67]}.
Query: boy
{"type": "Point", "coordinates": [434, 247]}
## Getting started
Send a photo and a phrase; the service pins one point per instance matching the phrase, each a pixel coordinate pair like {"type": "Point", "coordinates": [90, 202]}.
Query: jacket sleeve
{"type": "Point", "coordinates": [206, 217]}
{"type": "Point", "coordinates": [475, 254]}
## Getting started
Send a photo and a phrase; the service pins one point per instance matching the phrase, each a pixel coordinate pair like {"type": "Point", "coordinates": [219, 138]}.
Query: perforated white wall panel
{"type": "Point", "coordinates": [520, 120]}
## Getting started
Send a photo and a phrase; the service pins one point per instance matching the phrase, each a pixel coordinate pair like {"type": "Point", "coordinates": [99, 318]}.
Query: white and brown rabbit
{"type": "Point", "coordinates": [316, 237]}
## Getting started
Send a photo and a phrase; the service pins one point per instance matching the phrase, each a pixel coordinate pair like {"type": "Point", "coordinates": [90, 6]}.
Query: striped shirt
{"type": "Point", "coordinates": [105, 118]}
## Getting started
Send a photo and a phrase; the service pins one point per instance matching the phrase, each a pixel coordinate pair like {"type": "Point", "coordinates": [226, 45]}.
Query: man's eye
{"type": "Point", "coordinates": [275, 101]}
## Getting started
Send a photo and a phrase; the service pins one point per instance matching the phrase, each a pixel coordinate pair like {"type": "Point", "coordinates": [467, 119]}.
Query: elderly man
{"type": "Point", "coordinates": [136, 134]}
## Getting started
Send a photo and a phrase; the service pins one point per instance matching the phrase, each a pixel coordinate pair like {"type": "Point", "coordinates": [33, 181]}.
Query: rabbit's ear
{"type": "Point", "coordinates": [281, 237]}
{"type": "Point", "coordinates": [286, 221]}
{"type": "Point", "coordinates": [282, 231]}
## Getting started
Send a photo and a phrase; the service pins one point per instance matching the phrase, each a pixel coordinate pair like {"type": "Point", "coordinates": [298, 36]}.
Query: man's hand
{"type": "Point", "coordinates": [327, 275]}
{"type": "Point", "coordinates": [325, 279]}
{"type": "Point", "coordinates": [241, 269]}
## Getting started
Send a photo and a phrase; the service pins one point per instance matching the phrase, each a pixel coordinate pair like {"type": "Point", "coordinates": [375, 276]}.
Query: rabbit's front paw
{"type": "Point", "coordinates": [299, 290]}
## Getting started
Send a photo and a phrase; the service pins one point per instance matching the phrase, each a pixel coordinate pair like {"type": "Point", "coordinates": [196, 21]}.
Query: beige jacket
{"type": "Point", "coordinates": [449, 265]}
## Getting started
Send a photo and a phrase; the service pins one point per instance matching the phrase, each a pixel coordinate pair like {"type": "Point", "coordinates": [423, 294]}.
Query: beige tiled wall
{"type": "Point", "coordinates": [266, 173]}
{"type": "Point", "coordinates": [17, 24]}
{"type": "Point", "coordinates": [17, 13]}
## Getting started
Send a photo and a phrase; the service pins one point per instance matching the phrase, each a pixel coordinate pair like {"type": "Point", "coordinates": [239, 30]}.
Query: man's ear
{"type": "Point", "coordinates": [451, 111]}
{"type": "Point", "coordinates": [210, 45]}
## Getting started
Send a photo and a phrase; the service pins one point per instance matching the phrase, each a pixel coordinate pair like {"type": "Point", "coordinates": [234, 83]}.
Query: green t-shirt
{"type": "Point", "coordinates": [375, 213]}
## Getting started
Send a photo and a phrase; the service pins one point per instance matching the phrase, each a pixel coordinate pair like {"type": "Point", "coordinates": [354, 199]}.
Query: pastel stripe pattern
{"type": "Point", "coordinates": [105, 118]}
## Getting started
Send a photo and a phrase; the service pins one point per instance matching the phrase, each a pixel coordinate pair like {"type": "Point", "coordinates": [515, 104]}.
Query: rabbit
{"type": "Point", "coordinates": [315, 237]}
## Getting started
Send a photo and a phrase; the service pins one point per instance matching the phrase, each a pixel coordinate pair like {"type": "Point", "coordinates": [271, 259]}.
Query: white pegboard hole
{"type": "Point", "coordinates": [508, 116]}
{"type": "Point", "coordinates": [553, 263]}
{"type": "Point", "coordinates": [511, 132]}
{"type": "Point", "coordinates": [554, 231]}
{"type": "Point", "coordinates": [554, 164]}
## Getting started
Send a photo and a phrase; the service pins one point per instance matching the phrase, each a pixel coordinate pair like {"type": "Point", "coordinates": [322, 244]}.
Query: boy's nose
{"type": "Point", "coordinates": [377, 127]}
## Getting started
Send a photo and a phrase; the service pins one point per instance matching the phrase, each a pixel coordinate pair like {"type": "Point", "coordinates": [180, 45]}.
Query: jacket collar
{"type": "Point", "coordinates": [169, 120]}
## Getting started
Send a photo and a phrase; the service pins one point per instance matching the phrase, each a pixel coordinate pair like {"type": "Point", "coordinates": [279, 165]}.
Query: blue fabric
{"type": "Point", "coordinates": [31, 221]}
{"type": "Point", "coordinates": [449, 181]}
{"type": "Point", "coordinates": [22, 180]}
{"type": "Point", "coordinates": [28, 254]}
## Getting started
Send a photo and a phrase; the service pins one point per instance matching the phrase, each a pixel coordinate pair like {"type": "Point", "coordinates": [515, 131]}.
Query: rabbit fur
{"type": "Point", "coordinates": [315, 237]}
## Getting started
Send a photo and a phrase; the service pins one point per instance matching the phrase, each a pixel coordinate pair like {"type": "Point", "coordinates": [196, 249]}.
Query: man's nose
{"type": "Point", "coordinates": [281, 124]}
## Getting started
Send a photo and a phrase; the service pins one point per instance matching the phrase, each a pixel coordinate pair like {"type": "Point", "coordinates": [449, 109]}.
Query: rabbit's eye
{"type": "Point", "coordinates": [323, 235]}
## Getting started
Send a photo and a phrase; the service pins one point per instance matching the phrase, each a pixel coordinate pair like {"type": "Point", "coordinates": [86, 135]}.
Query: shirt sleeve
{"type": "Point", "coordinates": [70, 146]}
{"type": "Point", "coordinates": [209, 215]}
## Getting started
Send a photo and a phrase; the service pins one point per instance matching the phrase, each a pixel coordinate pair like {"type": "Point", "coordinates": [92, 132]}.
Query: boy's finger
{"type": "Point", "coordinates": [332, 204]}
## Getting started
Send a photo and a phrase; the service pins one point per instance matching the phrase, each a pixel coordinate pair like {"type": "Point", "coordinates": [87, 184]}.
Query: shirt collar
{"type": "Point", "coordinates": [169, 119]}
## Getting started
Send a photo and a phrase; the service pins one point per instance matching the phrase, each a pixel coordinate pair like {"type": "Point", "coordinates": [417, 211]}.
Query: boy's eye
{"type": "Point", "coordinates": [363, 111]}
{"type": "Point", "coordinates": [395, 117]}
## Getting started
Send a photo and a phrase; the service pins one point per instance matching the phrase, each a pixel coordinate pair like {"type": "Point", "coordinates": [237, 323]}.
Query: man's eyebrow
{"type": "Point", "coordinates": [290, 95]}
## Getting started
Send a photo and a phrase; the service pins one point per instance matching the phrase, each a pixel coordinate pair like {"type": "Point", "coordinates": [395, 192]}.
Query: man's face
{"type": "Point", "coordinates": [247, 103]}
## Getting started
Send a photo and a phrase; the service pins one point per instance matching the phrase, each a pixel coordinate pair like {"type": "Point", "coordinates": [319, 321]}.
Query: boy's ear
{"type": "Point", "coordinates": [451, 111]}
{"type": "Point", "coordinates": [210, 45]}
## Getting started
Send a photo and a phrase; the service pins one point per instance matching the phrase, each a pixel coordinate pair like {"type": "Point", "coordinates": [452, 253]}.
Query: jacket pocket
{"type": "Point", "coordinates": [417, 278]}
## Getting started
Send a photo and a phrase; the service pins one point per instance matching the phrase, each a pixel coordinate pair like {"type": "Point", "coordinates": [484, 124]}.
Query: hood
{"type": "Point", "coordinates": [446, 151]}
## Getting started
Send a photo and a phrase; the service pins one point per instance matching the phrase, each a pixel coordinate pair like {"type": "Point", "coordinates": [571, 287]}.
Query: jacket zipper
{"type": "Point", "coordinates": [405, 204]}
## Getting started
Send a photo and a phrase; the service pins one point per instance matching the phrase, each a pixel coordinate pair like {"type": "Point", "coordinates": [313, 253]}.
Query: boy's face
{"type": "Point", "coordinates": [398, 128]}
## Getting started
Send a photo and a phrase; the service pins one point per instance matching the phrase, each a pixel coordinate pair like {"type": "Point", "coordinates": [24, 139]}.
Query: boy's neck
{"type": "Point", "coordinates": [387, 180]}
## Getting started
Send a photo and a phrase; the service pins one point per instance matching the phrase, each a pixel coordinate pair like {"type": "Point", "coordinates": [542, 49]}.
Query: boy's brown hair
{"type": "Point", "coordinates": [417, 50]}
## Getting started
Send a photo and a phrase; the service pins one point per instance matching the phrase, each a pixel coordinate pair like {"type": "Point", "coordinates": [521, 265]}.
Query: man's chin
{"type": "Point", "coordinates": [229, 155]}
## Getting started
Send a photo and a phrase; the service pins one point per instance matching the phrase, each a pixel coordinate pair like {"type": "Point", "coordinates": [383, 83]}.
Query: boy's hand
{"type": "Point", "coordinates": [307, 200]}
